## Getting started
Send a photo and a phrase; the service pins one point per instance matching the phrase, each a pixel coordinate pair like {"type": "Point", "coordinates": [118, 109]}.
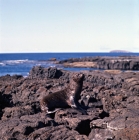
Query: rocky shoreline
{"type": "Point", "coordinates": [119, 63]}
{"type": "Point", "coordinates": [110, 97]}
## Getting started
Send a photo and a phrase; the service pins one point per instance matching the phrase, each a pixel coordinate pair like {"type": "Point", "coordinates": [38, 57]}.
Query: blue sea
{"type": "Point", "coordinates": [22, 63]}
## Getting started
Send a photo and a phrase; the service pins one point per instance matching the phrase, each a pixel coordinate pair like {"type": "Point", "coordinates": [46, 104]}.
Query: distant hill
{"type": "Point", "coordinates": [119, 51]}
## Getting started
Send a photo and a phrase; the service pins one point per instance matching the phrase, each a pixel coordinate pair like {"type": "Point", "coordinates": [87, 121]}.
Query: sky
{"type": "Point", "coordinates": [69, 25]}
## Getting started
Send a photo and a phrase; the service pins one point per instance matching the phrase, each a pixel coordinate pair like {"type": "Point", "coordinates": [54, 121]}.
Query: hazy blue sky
{"type": "Point", "coordinates": [69, 25]}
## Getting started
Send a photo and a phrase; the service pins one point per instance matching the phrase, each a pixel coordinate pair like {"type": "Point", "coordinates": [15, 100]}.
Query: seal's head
{"type": "Point", "coordinates": [78, 77]}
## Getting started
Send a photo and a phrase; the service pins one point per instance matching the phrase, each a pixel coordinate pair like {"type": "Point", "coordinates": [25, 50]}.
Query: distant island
{"type": "Point", "coordinates": [120, 51]}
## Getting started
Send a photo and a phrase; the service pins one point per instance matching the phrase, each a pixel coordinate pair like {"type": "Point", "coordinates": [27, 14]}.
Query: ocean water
{"type": "Point", "coordinates": [22, 63]}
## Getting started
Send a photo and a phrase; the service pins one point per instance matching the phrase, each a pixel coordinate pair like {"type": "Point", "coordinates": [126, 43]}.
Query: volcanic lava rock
{"type": "Point", "coordinates": [40, 72]}
{"type": "Point", "coordinates": [110, 98]}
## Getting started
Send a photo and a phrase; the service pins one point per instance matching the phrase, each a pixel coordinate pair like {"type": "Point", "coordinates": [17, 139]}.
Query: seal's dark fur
{"type": "Point", "coordinates": [64, 98]}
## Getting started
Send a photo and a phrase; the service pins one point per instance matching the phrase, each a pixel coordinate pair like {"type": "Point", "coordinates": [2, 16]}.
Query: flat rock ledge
{"type": "Point", "coordinates": [110, 98]}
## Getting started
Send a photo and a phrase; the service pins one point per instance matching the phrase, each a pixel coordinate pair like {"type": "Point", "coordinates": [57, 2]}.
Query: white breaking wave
{"type": "Point", "coordinates": [27, 63]}
{"type": "Point", "coordinates": [16, 61]}
{"type": "Point", "coordinates": [2, 64]}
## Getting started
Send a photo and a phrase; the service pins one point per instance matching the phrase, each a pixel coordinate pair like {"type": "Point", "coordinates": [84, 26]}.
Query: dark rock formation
{"type": "Point", "coordinates": [111, 100]}
{"type": "Point", "coordinates": [40, 72]}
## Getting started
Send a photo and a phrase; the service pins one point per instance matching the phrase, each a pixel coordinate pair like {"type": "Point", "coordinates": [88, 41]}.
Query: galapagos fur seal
{"type": "Point", "coordinates": [67, 97]}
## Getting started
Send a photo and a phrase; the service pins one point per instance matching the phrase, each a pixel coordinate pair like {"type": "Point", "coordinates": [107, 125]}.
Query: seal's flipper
{"type": "Point", "coordinates": [50, 112]}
